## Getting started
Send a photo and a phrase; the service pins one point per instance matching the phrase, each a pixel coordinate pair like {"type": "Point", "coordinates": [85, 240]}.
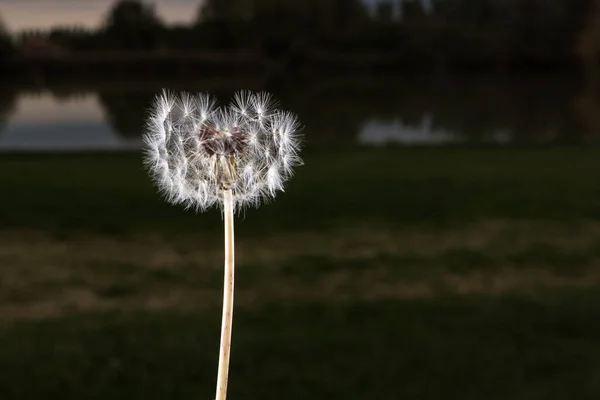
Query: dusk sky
{"type": "Point", "coordinates": [26, 14]}
{"type": "Point", "coordinates": [18, 15]}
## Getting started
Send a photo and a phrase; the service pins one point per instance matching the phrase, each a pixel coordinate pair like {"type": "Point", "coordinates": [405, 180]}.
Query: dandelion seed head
{"type": "Point", "coordinates": [195, 150]}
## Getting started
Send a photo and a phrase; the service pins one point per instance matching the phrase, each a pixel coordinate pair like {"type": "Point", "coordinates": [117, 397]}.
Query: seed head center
{"type": "Point", "coordinates": [224, 148]}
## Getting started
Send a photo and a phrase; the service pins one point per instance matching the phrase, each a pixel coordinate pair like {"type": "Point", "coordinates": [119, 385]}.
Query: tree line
{"type": "Point", "coordinates": [492, 33]}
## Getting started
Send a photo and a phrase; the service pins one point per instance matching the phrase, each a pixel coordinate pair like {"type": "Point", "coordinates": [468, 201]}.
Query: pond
{"type": "Point", "coordinates": [408, 111]}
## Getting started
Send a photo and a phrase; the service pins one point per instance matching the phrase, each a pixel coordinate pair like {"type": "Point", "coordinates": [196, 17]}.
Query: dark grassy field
{"type": "Point", "coordinates": [383, 273]}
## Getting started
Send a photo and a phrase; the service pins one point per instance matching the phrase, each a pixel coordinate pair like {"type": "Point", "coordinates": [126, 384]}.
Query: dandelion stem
{"type": "Point", "coordinates": [227, 322]}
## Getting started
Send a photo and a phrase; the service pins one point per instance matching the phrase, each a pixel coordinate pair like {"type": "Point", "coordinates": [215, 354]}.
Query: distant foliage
{"type": "Point", "coordinates": [74, 38]}
{"type": "Point", "coordinates": [277, 25]}
{"type": "Point", "coordinates": [7, 46]}
{"type": "Point", "coordinates": [505, 32]}
{"type": "Point", "coordinates": [588, 46]}
{"type": "Point", "coordinates": [501, 32]}
{"type": "Point", "coordinates": [493, 34]}
{"type": "Point", "coordinates": [133, 25]}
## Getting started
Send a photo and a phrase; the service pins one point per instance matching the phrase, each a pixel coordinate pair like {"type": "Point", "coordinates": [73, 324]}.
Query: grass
{"type": "Point", "coordinates": [111, 193]}
{"type": "Point", "coordinates": [383, 273]}
{"type": "Point", "coordinates": [95, 273]}
{"type": "Point", "coordinates": [472, 348]}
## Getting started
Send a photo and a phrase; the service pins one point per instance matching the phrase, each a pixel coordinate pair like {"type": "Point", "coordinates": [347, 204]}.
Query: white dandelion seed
{"type": "Point", "coordinates": [200, 155]}
{"type": "Point", "coordinates": [189, 142]}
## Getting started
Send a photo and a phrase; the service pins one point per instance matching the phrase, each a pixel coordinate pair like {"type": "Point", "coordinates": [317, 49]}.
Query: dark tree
{"type": "Point", "coordinates": [588, 44]}
{"type": "Point", "coordinates": [278, 25]}
{"type": "Point", "coordinates": [133, 25]}
{"type": "Point", "coordinates": [231, 11]}
{"type": "Point", "coordinates": [224, 24]}
{"type": "Point", "coordinates": [8, 96]}
{"type": "Point", "coordinates": [74, 38]}
{"type": "Point", "coordinates": [7, 46]}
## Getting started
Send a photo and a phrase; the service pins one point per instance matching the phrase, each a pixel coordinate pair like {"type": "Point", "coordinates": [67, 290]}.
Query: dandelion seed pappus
{"type": "Point", "coordinates": [195, 150]}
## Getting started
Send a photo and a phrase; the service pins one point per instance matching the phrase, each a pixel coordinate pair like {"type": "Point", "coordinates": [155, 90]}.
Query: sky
{"type": "Point", "coordinates": [18, 15]}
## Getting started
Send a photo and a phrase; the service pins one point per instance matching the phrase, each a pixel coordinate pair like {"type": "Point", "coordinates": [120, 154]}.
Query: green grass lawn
{"type": "Point", "coordinates": [383, 273]}
{"type": "Point", "coordinates": [472, 348]}
{"type": "Point", "coordinates": [393, 186]}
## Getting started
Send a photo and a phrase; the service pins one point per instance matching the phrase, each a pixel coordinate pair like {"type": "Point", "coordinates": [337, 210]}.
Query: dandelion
{"type": "Point", "coordinates": [201, 155]}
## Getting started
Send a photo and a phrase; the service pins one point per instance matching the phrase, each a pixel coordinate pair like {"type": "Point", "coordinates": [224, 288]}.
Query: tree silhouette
{"type": "Point", "coordinates": [226, 10]}
{"type": "Point", "coordinates": [588, 45]}
{"type": "Point", "coordinates": [490, 34]}
{"type": "Point", "coordinates": [133, 25]}
{"type": "Point", "coordinates": [74, 38]}
{"type": "Point", "coordinates": [7, 47]}
{"type": "Point", "coordinates": [8, 95]}
{"type": "Point", "coordinates": [275, 26]}
{"type": "Point", "coordinates": [588, 50]}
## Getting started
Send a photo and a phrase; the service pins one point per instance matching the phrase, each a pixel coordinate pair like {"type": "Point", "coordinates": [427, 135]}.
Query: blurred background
{"type": "Point", "coordinates": [442, 240]}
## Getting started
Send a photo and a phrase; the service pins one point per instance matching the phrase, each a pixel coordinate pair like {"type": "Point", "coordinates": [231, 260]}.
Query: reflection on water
{"type": "Point", "coordinates": [400, 111]}
{"type": "Point", "coordinates": [47, 122]}
{"type": "Point", "coordinates": [395, 131]}
{"type": "Point", "coordinates": [423, 133]}
{"type": "Point", "coordinates": [379, 133]}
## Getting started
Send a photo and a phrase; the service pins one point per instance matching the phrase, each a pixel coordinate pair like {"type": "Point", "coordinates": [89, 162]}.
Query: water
{"type": "Point", "coordinates": [401, 111]}
{"type": "Point", "coordinates": [43, 122]}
